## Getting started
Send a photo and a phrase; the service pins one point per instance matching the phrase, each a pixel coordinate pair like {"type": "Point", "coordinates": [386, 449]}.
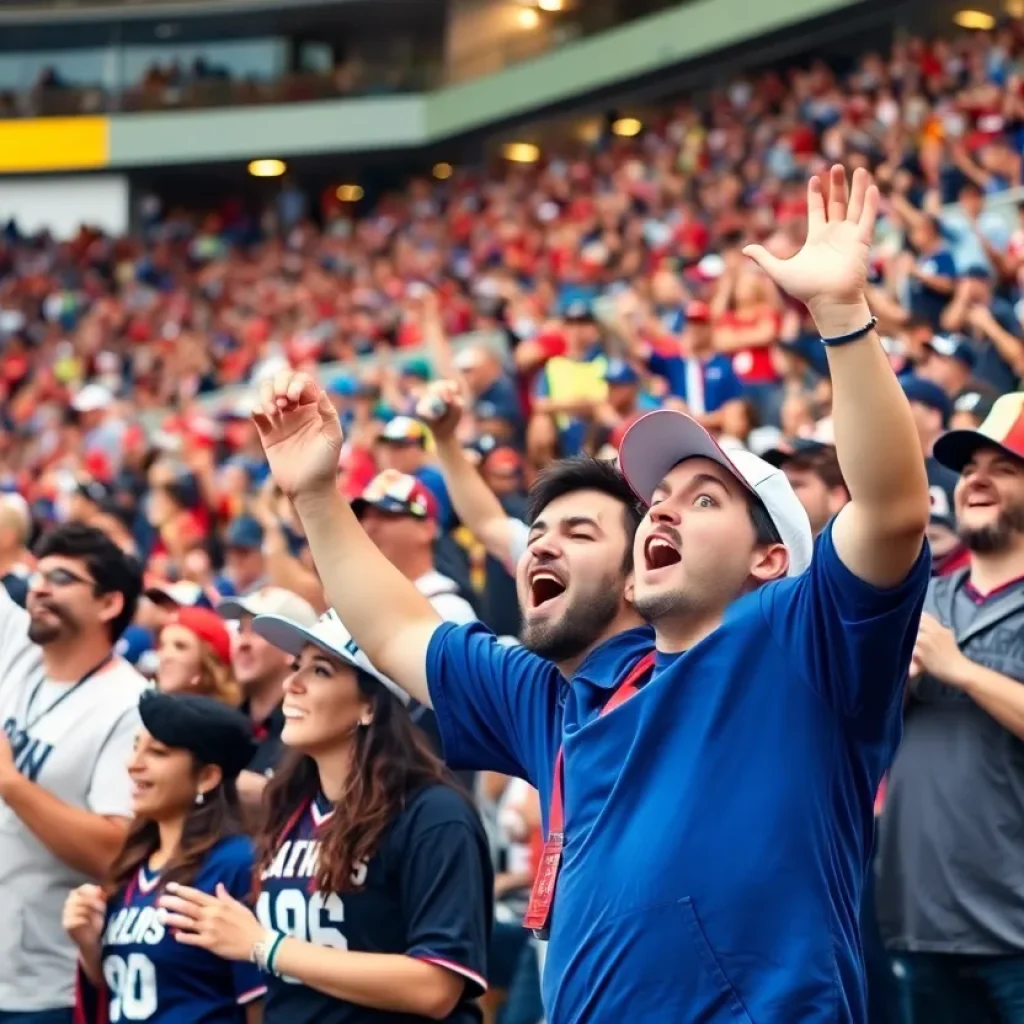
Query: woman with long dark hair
{"type": "Point", "coordinates": [376, 884]}
{"type": "Point", "coordinates": [186, 830]}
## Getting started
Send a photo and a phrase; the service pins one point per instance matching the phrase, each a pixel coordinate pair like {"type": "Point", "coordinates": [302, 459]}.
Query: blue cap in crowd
{"type": "Point", "coordinates": [245, 534]}
{"type": "Point", "coordinates": [486, 410]}
{"type": "Point", "coordinates": [134, 642]}
{"type": "Point", "coordinates": [926, 393]}
{"type": "Point", "coordinates": [941, 484]}
{"type": "Point", "coordinates": [343, 387]}
{"type": "Point", "coordinates": [579, 312]}
{"type": "Point", "coordinates": [953, 346]}
{"type": "Point", "coordinates": [619, 371]}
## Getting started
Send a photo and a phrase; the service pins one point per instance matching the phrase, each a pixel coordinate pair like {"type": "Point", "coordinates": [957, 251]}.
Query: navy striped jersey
{"type": "Point", "coordinates": [426, 893]}
{"type": "Point", "coordinates": [152, 977]}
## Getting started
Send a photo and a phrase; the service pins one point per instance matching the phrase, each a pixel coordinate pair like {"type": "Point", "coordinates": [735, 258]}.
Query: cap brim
{"type": "Point", "coordinates": [290, 637]}
{"type": "Point", "coordinates": [234, 608]}
{"type": "Point", "coordinates": [659, 441]}
{"type": "Point", "coordinates": [778, 457]}
{"type": "Point", "coordinates": [955, 449]}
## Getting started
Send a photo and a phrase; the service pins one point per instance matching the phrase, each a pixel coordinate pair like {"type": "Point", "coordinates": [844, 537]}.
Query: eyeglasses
{"type": "Point", "coordinates": [57, 578]}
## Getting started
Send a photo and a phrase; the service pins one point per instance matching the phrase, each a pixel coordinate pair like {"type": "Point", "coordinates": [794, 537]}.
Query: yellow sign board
{"type": "Point", "coordinates": [54, 144]}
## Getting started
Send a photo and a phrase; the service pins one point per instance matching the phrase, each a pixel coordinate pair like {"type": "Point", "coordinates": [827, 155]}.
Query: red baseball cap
{"type": "Point", "coordinates": [209, 627]}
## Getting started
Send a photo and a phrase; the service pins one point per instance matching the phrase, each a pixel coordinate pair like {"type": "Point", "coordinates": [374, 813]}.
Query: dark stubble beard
{"type": "Point", "coordinates": [579, 629]}
{"type": "Point", "coordinates": [994, 539]}
{"type": "Point", "coordinates": [43, 632]}
{"type": "Point", "coordinates": [655, 607]}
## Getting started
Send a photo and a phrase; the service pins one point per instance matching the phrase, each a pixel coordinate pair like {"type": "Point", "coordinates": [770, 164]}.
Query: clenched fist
{"type": "Point", "coordinates": [85, 912]}
{"type": "Point", "coordinates": [441, 409]}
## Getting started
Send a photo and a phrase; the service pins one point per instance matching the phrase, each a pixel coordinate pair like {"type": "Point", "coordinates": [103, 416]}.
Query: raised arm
{"type": "Point", "coordinates": [879, 534]}
{"type": "Point", "coordinates": [475, 503]}
{"type": "Point", "coordinates": [389, 619]}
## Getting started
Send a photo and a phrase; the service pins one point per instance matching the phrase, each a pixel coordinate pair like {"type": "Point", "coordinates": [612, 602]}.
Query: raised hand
{"type": "Point", "coordinates": [85, 912]}
{"type": "Point", "coordinates": [441, 408]}
{"type": "Point", "coordinates": [829, 273]}
{"type": "Point", "coordinates": [300, 433]}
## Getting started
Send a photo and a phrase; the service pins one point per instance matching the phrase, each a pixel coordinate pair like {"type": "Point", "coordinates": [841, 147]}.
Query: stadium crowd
{"type": "Point", "coordinates": [596, 285]}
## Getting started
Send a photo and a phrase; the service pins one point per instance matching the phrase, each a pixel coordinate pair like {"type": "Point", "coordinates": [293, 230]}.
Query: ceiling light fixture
{"type": "Point", "coordinates": [521, 152]}
{"type": "Point", "coordinates": [267, 168]}
{"type": "Point", "coordinates": [981, 21]}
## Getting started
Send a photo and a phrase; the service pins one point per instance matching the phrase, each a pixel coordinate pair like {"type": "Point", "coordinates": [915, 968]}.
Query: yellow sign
{"type": "Point", "coordinates": [54, 144]}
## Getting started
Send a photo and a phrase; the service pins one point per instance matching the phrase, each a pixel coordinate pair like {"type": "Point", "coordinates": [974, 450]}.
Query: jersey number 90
{"type": "Point", "coordinates": [132, 984]}
{"type": "Point", "coordinates": [312, 918]}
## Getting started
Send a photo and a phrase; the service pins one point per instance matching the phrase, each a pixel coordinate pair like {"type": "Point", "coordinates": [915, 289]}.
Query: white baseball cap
{"type": "Point", "coordinates": [92, 398]}
{"type": "Point", "coordinates": [329, 635]}
{"type": "Point", "coordinates": [269, 601]}
{"type": "Point", "coordinates": [659, 441]}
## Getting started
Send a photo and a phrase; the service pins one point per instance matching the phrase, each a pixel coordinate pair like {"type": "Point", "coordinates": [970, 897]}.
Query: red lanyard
{"type": "Point", "coordinates": [538, 913]}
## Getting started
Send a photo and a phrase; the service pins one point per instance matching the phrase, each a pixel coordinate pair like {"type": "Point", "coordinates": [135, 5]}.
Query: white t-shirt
{"type": "Point", "coordinates": [443, 594]}
{"type": "Point", "coordinates": [519, 538]}
{"type": "Point", "coordinates": [73, 741]}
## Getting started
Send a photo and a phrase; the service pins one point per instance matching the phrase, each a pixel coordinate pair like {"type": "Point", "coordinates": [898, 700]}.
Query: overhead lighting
{"type": "Point", "coordinates": [349, 193]}
{"type": "Point", "coordinates": [550, 5]}
{"type": "Point", "coordinates": [442, 171]}
{"type": "Point", "coordinates": [521, 152]}
{"type": "Point", "coordinates": [267, 168]}
{"type": "Point", "coordinates": [528, 18]}
{"type": "Point", "coordinates": [979, 20]}
{"type": "Point", "coordinates": [627, 127]}
{"type": "Point", "coordinates": [589, 131]}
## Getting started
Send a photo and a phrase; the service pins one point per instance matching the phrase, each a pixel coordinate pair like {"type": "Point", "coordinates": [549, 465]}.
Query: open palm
{"type": "Point", "coordinates": [300, 433]}
{"type": "Point", "coordinates": [832, 266]}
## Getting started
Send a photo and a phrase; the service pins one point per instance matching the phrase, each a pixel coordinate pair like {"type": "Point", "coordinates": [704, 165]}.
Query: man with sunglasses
{"type": "Point", "coordinates": [69, 711]}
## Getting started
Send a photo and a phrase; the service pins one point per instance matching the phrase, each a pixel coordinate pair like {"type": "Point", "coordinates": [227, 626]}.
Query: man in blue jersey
{"type": "Point", "coordinates": [776, 694]}
{"type": "Point", "coordinates": [716, 824]}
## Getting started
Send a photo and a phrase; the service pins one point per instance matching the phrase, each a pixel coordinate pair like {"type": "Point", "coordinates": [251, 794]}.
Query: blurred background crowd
{"type": "Point", "coordinates": [569, 281]}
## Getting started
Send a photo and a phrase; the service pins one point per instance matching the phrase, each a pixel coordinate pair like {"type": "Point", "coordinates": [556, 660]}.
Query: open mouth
{"type": "Point", "coordinates": [292, 712]}
{"type": "Point", "coordinates": [139, 788]}
{"type": "Point", "coordinates": [980, 501]}
{"type": "Point", "coordinates": [545, 586]}
{"type": "Point", "coordinates": [659, 553]}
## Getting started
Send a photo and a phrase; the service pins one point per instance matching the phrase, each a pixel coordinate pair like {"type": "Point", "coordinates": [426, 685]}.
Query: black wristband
{"type": "Point", "coordinates": [845, 339]}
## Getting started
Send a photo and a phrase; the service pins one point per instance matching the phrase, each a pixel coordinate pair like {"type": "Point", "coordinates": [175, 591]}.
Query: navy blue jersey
{"type": "Point", "coordinates": [427, 893]}
{"type": "Point", "coordinates": [152, 977]}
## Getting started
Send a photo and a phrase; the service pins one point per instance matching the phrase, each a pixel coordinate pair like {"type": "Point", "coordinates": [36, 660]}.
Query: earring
{"type": "Point", "coordinates": [366, 723]}
{"type": "Point", "coordinates": [200, 799]}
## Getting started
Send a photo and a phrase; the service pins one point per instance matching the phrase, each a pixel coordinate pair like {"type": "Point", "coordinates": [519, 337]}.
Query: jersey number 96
{"type": "Point", "coordinates": [132, 984]}
{"type": "Point", "coordinates": [312, 918]}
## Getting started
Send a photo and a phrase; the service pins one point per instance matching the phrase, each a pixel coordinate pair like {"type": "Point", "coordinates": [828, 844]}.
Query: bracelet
{"type": "Point", "coordinates": [263, 951]}
{"type": "Point", "coordinates": [845, 339]}
{"type": "Point", "coordinates": [272, 954]}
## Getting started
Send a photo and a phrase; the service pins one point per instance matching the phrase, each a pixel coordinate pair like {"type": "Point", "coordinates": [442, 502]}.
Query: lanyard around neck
{"type": "Point", "coordinates": [31, 702]}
